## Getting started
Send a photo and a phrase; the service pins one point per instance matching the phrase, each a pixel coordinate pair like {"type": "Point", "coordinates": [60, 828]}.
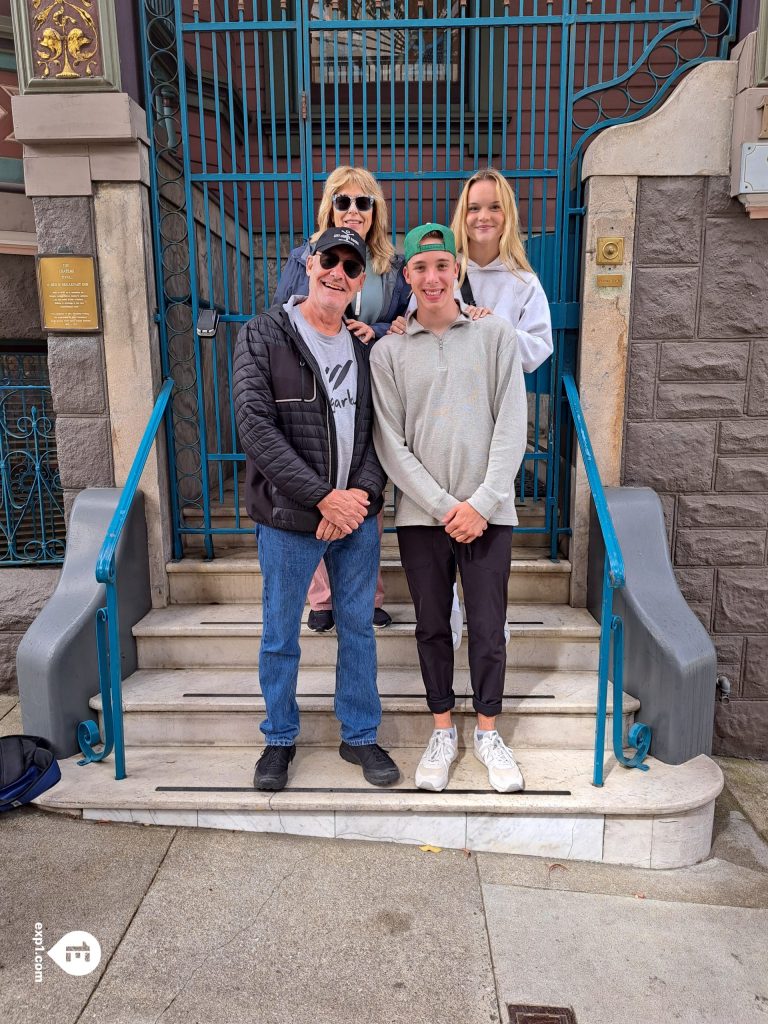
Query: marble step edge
{"type": "Point", "coordinates": [249, 565]}
{"type": "Point", "coordinates": [536, 621]}
{"type": "Point", "coordinates": [220, 778]}
{"type": "Point", "coordinates": [525, 513]}
{"type": "Point", "coordinates": [401, 690]}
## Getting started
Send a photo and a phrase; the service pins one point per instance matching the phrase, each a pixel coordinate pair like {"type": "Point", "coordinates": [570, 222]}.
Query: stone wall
{"type": "Point", "coordinates": [76, 364]}
{"type": "Point", "coordinates": [696, 425]}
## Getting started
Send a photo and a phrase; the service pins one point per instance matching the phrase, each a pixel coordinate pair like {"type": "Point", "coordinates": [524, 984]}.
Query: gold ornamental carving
{"type": "Point", "coordinates": [66, 38]}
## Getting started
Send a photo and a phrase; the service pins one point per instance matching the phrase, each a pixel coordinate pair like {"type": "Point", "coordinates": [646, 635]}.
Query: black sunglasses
{"type": "Point", "coordinates": [342, 202]}
{"type": "Point", "coordinates": [328, 260]}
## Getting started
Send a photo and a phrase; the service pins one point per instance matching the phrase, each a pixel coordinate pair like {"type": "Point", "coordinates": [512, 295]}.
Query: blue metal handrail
{"type": "Point", "coordinates": [611, 626]}
{"type": "Point", "coordinates": [107, 620]}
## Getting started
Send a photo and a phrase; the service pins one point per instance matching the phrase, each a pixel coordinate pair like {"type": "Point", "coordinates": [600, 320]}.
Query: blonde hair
{"type": "Point", "coordinates": [381, 249]}
{"type": "Point", "coordinates": [511, 249]}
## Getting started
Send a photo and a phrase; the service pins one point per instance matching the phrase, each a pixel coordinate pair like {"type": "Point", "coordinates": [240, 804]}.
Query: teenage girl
{"type": "Point", "coordinates": [493, 263]}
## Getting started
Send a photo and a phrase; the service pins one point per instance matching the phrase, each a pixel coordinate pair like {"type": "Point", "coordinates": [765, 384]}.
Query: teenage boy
{"type": "Point", "coordinates": [313, 487]}
{"type": "Point", "coordinates": [450, 430]}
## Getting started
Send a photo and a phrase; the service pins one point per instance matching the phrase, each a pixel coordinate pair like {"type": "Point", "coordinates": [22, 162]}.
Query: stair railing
{"type": "Point", "coordinates": [611, 625]}
{"type": "Point", "coordinates": [107, 620]}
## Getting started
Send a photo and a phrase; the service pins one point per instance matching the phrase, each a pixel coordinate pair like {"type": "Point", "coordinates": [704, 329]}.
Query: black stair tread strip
{"type": "Point", "coordinates": [353, 789]}
{"type": "Point", "coordinates": [259, 622]}
{"type": "Point", "coordinates": [384, 696]}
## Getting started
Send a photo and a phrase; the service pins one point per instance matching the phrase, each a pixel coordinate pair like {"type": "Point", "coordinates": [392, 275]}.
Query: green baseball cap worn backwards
{"type": "Point", "coordinates": [414, 244]}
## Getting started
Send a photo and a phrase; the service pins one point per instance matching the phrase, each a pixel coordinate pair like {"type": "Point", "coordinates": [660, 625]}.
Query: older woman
{"type": "Point", "coordinates": [352, 198]}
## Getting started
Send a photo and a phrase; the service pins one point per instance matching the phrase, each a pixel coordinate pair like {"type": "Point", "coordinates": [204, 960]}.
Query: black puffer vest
{"type": "Point", "coordinates": [287, 429]}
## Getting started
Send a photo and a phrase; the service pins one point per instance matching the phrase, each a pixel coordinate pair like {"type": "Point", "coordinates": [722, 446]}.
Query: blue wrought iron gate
{"type": "Point", "coordinates": [252, 104]}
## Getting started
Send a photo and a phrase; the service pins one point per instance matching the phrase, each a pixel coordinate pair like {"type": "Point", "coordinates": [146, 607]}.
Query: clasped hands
{"type": "Point", "coordinates": [342, 512]}
{"type": "Point", "coordinates": [464, 524]}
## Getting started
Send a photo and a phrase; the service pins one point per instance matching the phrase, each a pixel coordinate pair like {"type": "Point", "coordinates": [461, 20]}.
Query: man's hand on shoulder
{"type": "Point", "coordinates": [344, 509]}
{"type": "Point", "coordinates": [464, 524]}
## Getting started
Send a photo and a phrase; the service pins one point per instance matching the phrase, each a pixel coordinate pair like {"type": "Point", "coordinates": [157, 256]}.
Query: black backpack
{"type": "Point", "coordinates": [27, 769]}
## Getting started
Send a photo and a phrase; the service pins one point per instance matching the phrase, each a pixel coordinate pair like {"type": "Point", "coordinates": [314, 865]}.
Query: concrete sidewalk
{"type": "Point", "coordinates": [212, 926]}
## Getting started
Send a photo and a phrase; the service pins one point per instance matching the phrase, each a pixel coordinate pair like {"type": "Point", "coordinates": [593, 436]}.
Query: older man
{"type": "Point", "coordinates": [313, 486]}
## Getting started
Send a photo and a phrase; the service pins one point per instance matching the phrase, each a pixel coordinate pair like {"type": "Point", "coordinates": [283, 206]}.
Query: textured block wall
{"type": "Point", "coordinates": [76, 364]}
{"type": "Point", "coordinates": [696, 423]}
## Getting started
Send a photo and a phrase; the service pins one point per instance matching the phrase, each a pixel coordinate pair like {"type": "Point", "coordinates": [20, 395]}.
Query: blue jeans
{"type": "Point", "coordinates": [288, 561]}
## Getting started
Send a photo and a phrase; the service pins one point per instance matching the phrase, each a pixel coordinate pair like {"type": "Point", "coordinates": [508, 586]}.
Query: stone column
{"type": "Point", "coordinates": [669, 142]}
{"type": "Point", "coordinates": [86, 169]}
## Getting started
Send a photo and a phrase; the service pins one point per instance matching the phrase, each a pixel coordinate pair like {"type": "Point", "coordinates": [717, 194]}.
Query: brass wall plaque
{"type": "Point", "coordinates": [610, 280]}
{"type": "Point", "coordinates": [67, 289]}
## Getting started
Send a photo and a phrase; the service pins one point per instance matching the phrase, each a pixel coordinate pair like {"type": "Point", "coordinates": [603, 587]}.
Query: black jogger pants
{"type": "Point", "coordinates": [430, 559]}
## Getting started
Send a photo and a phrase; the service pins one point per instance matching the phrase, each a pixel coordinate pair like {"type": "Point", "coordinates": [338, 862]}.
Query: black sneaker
{"type": "Point", "coordinates": [272, 767]}
{"type": "Point", "coordinates": [381, 619]}
{"type": "Point", "coordinates": [320, 622]}
{"type": "Point", "coordinates": [378, 767]}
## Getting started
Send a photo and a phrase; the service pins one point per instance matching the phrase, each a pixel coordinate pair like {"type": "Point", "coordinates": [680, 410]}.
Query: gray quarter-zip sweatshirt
{"type": "Point", "coordinates": [450, 418]}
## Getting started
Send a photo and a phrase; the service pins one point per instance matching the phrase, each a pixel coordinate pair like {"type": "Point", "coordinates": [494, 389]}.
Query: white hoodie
{"type": "Point", "coordinates": [519, 298]}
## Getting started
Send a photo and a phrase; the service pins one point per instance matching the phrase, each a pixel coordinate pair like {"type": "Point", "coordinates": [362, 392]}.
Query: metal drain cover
{"type": "Point", "coordinates": [524, 1014]}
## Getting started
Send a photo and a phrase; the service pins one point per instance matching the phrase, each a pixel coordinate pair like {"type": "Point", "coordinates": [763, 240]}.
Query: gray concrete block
{"type": "Point", "coordinates": [757, 392]}
{"type": "Point", "coordinates": [64, 224]}
{"type": "Point", "coordinates": [741, 601]}
{"type": "Point", "coordinates": [659, 455]}
{"type": "Point", "coordinates": [62, 873]}
{"type": "Point", "coordinates": [705, 360]}
{"type": "Point", "coordinates": [734, 299]}
{"type": "Point", "coordinates": [84, 446]}
{"type": "Point", "coordinates": [719, 199]}
{"type": "Point", "coordinates": [11, 724]}
{"type": "Point", "coordinates": [684, 401]}
{"type": "Point", "coordinates": [669, 224]}
{"type": "Point", "coordinates": [9, 645]}
{"type": "Point", "coordinates": [668, 506]}
{"type": "Point", "coordinates": [741, 729]}
{"type": "Point", "coordinates": [755, 683]}
{"type": "Point", "coordinates": [548, 948]}
{"type": "Point", "coordinates": [696, 584]}
{"type": "Point", "coordinates": [664, 303]}
{"type": "Point", "coordinates": [729, 649]}
{"type": "Point", "coordinates": [23, 592]}
{"type": "Point", "coordinates": [730, 657]}
{"type": "Point", "coordinates": [641, 387]}
{"type": "Point", "coordinates": [271, 929]}
{"type": "Point", "coordinates": [747, 436]}
{"type": "Point", "coordinates": [76, 368]}
{"type": "Point", "coordinates": [57, 660]}
{"type": "Point", "coordinates": [720, 547]}
{"type": "Point", "coordinates": [19, 304]}
{"type": "Point", "coordinates": [747, 510]}
{"type": "Point", "coordinates": [749, 473]}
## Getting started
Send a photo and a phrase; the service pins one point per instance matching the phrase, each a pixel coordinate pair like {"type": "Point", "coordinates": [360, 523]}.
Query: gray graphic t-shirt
{"type": "Point", "coordinates": [336, 358]}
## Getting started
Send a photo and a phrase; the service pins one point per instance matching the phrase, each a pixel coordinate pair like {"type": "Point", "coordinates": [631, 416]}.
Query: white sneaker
{"type": "Point", "coordinates": [440, 754]}
{"type": "Point", "coordinates": [503, 773]}
{"type": "Point", "coordinates": [457, 619]}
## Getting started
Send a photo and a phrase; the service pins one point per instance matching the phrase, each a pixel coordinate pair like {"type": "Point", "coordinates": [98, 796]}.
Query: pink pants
{"type": "Point", "coordinates": [320, 587]}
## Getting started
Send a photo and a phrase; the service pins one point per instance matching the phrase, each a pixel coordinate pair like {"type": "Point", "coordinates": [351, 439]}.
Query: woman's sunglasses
{"type": "Point", "coordinates": [362, 204]}
{"type": "Point", "coordinates": [328, 260]}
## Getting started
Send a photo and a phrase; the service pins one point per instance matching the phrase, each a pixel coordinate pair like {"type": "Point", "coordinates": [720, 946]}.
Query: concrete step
{"type": "Point", "coordinates": [530, 531]}
{"type": "Point", "coordinates": [235, 578]}
{"type": "Point", "coordinates": [227, 636]}
{"type": "Point", "coordinates": [661, 818]}
{"type": "Point", "coordinates": [225, 706]}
